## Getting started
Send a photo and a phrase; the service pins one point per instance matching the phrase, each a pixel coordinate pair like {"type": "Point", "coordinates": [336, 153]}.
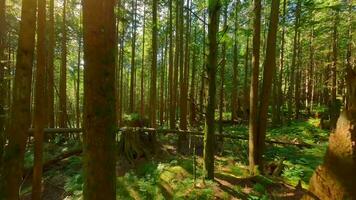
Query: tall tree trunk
{"type": "Point", "coordinates": [222, 76]}
{"type": "Point", "coordinates": [246, 85]}
{"type": "Point", "coordinates": [291, 87]}
{"type": "Point", "coordinates": [153, 88]}
{"type": "Point", "coordinates": [63, 72]}
{"type": "Point", "coordinates": [280, 93]}
{"type": "Point", "coordinates": [253, 131]}
{"type": "Point", "coordinates": [209, 136]}
{"type": "Point", "coordinates": [162, 81]}
{"type": "Point", "coordinates": [77, 98]}
{"type": "Point", "coordinates": [176, 68]}
{"type": "Point", "coordinates": [171, 68]}
{"type": "Point", "coordinates": [133, 54]}
{"type": "Point", "coordinates": [297, 78]}
{"type": "Point", "coordinates": [99, 111]}
{"type": "Point", "coordinates": [21, 115]}
{"type": "Point", "coordinates": [2, 77]}
{"type": "Point", "coordinates": [184, 77]}
{"type": "Point", "coordinates": [40, 100]}
{"type": "Point", "coordinates": [268, 73]}
{"type": "Point", "coordinates": [142, 110]}
{"type": "Point", "coordinates": [235, 66]}
{"type": "Point", "coordinates": [334, 110]}
{"type": "Point", "coordinates": [192, 83]}
{"type": "Point", "coordinates": [50, 66]}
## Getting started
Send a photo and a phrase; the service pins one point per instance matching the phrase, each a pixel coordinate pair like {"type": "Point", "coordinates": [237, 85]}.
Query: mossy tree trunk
{"type": "Point", "coordinates": [99, 100]}
{"type": "Point", "coordinates": [21, 115]}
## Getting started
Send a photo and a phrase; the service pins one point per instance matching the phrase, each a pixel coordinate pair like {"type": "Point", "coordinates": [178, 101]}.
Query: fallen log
{"type": "Point", "coordinates": [47, 164]}
{"type": "Point", "coordinates": [172, 131]}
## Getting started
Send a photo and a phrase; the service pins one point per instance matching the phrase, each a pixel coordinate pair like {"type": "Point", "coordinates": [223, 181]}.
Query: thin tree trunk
{"type": "Point", "coordinates": [192, 83]}
{"type": "Point", "coordinates": [77, 99]}
{"type": "Point", "coordinates": [294, 57]}
{"type": "Point", "coordinates": [253, 131]}
{"type": "Point", "coordinates": [184, 77]}
{"type": "Point", "coordinates": [142, 110]}
{"type": "Point", "coordinates": [40, 100]}
{"type": "Point", "coordinates": [209, 136]}
{"type": "Point", "coordinates": [246, 85]}
{"type": "Point", "coordinates": [63, 72]}
{"type": "Point", "coordinates": [21, 115]}
{"type": "Point", "coordinates": [50, 66]}
{"type": "Point", "coordinates": [99, 111]}
{"type": "Point", "coordinates": [234, 95]}
{"type": "Point", "coordinates": [222, 76]}
{"type": "Point", "coordinates": [153, 88]}
{"type": "Point", "coordinates": [133, 54]}
{"type": "Point", "coordinates": [171, 68]}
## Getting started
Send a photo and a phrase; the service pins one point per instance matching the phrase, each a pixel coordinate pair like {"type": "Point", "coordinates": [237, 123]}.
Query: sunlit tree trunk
{"type": "Point", "coordinates": [99, 106]}
{"type": "Point", "coordinates": [77, 94]}
{"type": "Point", "coordinates": [20, 113]}
{"type": "Point", "coordinates": [268, 73]}
{"type": "Point", "coordinates": [50, 66]}
{"type": "Point", "coordinates": [209, 136]}
{"type": "Point", "coordinates": [253, 130]}
{"type": "Point", "coordinates": [334, 110]}
{"type": "Point", "coordinates": [40, 100]}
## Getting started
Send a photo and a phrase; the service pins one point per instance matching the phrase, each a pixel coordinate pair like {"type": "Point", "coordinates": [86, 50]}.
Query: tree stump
{"type": "Point", "coordinates": [336, 178]}
{"type": "Point", "coordinates": [135, 144]}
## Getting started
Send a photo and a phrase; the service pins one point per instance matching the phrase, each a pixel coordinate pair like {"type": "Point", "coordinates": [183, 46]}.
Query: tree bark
{"type": "Point", "coordinates": [50, 66]}
{"type": "Point", "coordinates": [63, 72]}
{"type": "Point", "coordinates": [99, 100]}
{"type": "Point", "coordinates": [133, 54]}
{"type": "Point", "coordinates": [21, 116]}
{"type": "Point", "coordinates": [235, 66]}
{"type": "Point", "coordinates": [2, 77]}
{"type": "Point", "coordinates": [153, 89]}
{"type": "Point", "coordinates": [142, 110]}
{"type": "Point", "coordinates": [184, 76]}
{"type": "Point", "coordinates": [291, 87]}
{"type": "Point", "coordinates": [209, 136]}
{"type": "Point", "coordinates": [40, 100]}
{"type": "Point", "coordinates": [253, 131]}
{"type": "Point", "coordinates": [268, 73]}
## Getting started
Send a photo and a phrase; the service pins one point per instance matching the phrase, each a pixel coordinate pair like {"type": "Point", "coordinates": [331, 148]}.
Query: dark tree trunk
{"type": "Point", "coordinates": [40, 100]}
{"type": "Point", "coordinates": [20, 113]}
{"type": "Point", "coordinates": [63, 72]}
{"type": "Point", "coordinates": [253, 131]}
{"type": "Point", "coordinates": [209, 136]}
{"type": "Point", "coordinates": [99, 111]}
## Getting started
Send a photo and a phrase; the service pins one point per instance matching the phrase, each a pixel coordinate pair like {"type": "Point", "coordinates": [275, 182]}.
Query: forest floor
{"type": "Point", "coordinates": [173, 176]}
